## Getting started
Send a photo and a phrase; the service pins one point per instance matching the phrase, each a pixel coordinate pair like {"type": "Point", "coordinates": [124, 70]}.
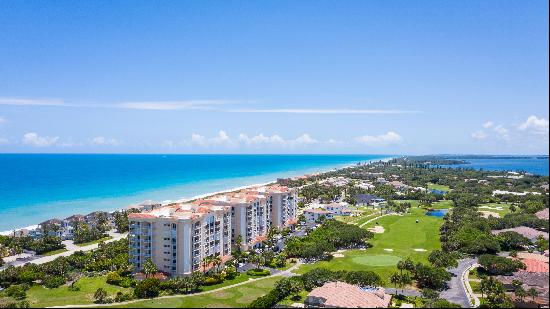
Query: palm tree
{"type": "Point", "coordinates": [533, 293]}
{"type": "Point", "coordinates": [401, 266]}
{"type": "Point", "coordinates": [206, 262]}
{"type": "Point", "coordinates": [217, 261]}
{"type": "Point", "coordinates": [520, 293]}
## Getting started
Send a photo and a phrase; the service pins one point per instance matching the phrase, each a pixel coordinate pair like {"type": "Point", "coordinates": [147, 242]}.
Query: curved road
{"type": "Point", "coordinates": [457, 292]}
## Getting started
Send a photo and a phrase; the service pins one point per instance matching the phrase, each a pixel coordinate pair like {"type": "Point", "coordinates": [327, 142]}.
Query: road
{"type": "Point", "coordinates": [71, 248]}
{"type": "Point", "coordinates": [457, 292]}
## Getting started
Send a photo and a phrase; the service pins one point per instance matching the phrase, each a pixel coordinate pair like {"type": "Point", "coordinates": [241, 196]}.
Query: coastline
{"type": "Point", "coordinates": [187, 199]}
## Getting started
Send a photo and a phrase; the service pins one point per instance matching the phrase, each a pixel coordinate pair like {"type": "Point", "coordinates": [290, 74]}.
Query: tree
{"type": "Point", "coordinates": [147, 288]}
{"type": "Point", "coordinates": [256, 259]}
{"type": "Point", "coordinates": [217, 262]}
{"type": "Point", "coordinates": [520, 293]}
{"type": "Point", "coordinates": [498, 265]}
{"type": "Point", "coordinates": [443, 259]}
{"type": "Point", "coordinates": [512, 241]}
{"type": "Point", "coordinates": [149, 268]}
{"type": "Point", "coordinates": [533, 293]}
{"type": "Point", "coordinates": [100, 295]}
{"type": "Point", "coordinates": [395, 279]}
{"type": "Point", "coordinates": [430, 294]}
{"type": "Point", "coordinates": [295, 287]}
{"type": "Point", "coordinates": [206, 261]}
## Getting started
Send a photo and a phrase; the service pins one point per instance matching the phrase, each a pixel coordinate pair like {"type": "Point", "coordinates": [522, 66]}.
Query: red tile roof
{"type": "Point", "coordinates": [343, 295]}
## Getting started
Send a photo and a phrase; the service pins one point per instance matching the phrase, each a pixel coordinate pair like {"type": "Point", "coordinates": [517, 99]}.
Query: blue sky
{"type": "Point", "coordinates": [400, 77]}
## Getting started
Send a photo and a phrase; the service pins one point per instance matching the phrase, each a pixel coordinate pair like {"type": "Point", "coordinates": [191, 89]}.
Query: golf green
{"type": "Point", "coordinates": [377, 260]}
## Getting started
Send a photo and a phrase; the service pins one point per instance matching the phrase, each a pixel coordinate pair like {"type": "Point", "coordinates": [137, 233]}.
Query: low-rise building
{"type": "Point", "coordinates": [344, 295]}
{"type": "Point", "coordinates": [528, 232]}
{"type": "Point", "coordinates": [368, 200]}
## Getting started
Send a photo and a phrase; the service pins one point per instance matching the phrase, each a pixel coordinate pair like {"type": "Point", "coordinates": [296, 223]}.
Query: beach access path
{"type": "Point", "coordinates": [71, 248]}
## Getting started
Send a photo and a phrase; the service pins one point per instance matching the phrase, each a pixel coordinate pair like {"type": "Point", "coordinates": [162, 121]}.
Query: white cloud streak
{"type": "Point", "coordinates": [324, 111]}
{"type": "Point", "coordinates": [382, 140]}
{"type": "Point", "coordinates": [33, 139]}
{"type": "Point", "coordinates": [103, 141]}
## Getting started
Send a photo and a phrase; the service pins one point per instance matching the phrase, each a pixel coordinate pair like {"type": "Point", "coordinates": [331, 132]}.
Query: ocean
{"type": "Point", "coordinates": [537, 165]}
{"type": "Point", "coordinates": [37, 187]}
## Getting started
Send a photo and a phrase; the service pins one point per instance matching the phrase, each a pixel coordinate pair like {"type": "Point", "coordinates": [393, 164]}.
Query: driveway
{"type": "Point", "coordinates": [456, 293]}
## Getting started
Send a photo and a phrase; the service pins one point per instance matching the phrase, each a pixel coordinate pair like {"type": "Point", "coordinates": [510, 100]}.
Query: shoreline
{"type": "Point", "coordinates": [185, 199]}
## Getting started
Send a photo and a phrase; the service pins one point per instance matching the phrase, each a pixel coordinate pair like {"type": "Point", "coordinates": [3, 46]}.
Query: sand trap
{"type": "Point", "coordinates": [341, 250]}
{"type": "Point", "coordinates": [487, 214]}
{"type": "Point", "coordinates": [338, 255]}
{"type": "Point", "coordinates": [389, 250]}
{"type": "Point", "coordinates": [377, 229]}
{"type": "Point", "coordinates": [420, 250]}
{"type": "Point", "coordinates": [362, 249]}
{"type": "Point", "coordinates": [493, 208]}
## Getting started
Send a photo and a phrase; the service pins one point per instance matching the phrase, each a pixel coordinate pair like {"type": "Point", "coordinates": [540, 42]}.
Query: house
{"type": "Point", "coordinates": [528, 232]}
{"type": "Point", "coordinates": [338, 209]}
{"type": "Point", "coordinates": [368, 199]}
{"type": "Point", "coordinates": [313, 215]}
{"type": "Point", "coordinates": [543, 214]}
{"type": "Point", "coordinates": [535, 280]}
{"type": "Point", "coordinates": [52, 227]}
{"type": "Point", "coordinates": [344, 295]}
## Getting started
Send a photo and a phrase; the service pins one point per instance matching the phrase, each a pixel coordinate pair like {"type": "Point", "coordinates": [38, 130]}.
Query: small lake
{"type": "Point", "coordinates": [437, 213]}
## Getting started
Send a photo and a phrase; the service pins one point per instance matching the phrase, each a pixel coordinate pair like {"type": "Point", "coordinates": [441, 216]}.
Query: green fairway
{"type": "Point", "coordinates": [500, 208]}
{"type": "Point", "coordinates": [444, 204]}
{"type": "Point", "coordinates": [39, 296]}
{"type": "Point", "coordinates": [402, 238]}
{"type": "Point", "coordinates": [235, 297]}
{"type": "Point", "coordinates": [433, 186]}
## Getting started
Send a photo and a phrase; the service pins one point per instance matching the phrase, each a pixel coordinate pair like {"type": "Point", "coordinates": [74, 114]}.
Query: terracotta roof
{"type": "Point", "coordinates": [140, 215]}
{"type": "Point", "coordinates": [535, 266]}
{"type": "Point", "coordinates": [343, 295]}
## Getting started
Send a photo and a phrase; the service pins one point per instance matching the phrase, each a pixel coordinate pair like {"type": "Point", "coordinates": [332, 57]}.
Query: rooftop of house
{"type": "Point", "coordinates": [344, 295]}
{"type": "Point", "coordinates": [528, 232]}
{"type": "Point", "coordinates": [543, 214]}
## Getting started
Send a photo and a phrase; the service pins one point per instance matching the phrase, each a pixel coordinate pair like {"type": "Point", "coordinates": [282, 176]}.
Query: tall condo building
{"type": "Point", "coordinates": [178, 237]}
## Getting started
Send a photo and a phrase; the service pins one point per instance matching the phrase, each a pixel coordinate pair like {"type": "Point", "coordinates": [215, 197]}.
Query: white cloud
{"type": "Point", "coordinates": [33, 139]}
{"type": "Point", "coordinates": [380, 140]}
{"type": "Point", "coordinates": [479, 135]}
{"type": "Point", "coordinates": [324, 111]}
{"type": "Point", "coordinates": [4, 141]}
{"type": "Point", "coordinates": [31, 102]}
{"type": "Point", "coordinates": [2, 120]}
{"type": "Point", "coordinates": [103, 141]}
{"type": "Point", "coordinates": [488, 124]}
{"type": "Point", "coordinates": [535, 125]}
{"type": "Point", "coordinates": [176, 105]}
{"type": "Point", "coordinates": [244, 140]}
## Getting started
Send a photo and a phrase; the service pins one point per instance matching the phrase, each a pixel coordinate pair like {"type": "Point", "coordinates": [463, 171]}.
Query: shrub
{"type": "Point", "coordinates": [258, 272]}
{"type": "Point", "coordinates": [53, 282]}
{"type": "Point", "coordinates": [147, 288]}
{"type": "Point", "coordinates": [212, 281]}
{"type": "Point", "coordinates": [127, 282]}
{"type": "Point", "coordinates": [114, 278]}
{"type": "Point", "coordinates": [18, 292]}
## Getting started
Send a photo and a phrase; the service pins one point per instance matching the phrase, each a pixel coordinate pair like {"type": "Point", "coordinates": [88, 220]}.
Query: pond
{"type": "Point", "coordinates": [437, 213]}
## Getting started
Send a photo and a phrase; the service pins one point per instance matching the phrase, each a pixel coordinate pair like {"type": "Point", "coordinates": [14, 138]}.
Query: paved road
{"type": "Point", "coordinates": [71, 248]}
{"type": "Point", "coordinates": [457, 291]}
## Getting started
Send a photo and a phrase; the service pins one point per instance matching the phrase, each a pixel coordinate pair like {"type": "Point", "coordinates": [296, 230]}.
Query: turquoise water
{"type": "Point", "coordinates": [536, 165]}
{"type": "Point", "coordinates": [37, 187]}
{"type": "Point", "coordinates": [440, 213]}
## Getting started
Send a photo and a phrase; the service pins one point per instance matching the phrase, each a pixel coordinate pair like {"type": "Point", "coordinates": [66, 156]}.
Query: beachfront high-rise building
{"type": "Point", "coordinates": [178, 237]}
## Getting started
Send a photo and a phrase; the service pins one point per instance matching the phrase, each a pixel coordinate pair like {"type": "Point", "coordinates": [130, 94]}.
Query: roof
{"type": "Point", "coordinates": [344, 295]}
{"type": "Point", "coordinates": [543, 214]}
{"type": "Point", "coordinates": [535, 266]}
{"type": "Point", "coordinates": [528, 232]}
{"type": "Point", "coordinates": [367, 198]}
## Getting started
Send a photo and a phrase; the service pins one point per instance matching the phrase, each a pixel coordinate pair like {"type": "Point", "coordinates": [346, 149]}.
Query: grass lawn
{"type": "Point", "coordinates": [402, 235]}
{"type": "Point", "coordinates": [55, 252]}
{"type": "Point", "coordinates": [358, 217]}
{"type": "Point", "coordinates": [444, 204]}
{"type": "Point", "coordinates": [476, 286]}
{"type": "Point", "coordinates": [235, 297]}
{"type": "Point", "coordinates": [94, 241]}
{"type": "Point", "coordinates": [288, 301]}
{"type": "Point", "coordinates": [39, 296]}
{"type": "Point", "coordinates": [433, 186]}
